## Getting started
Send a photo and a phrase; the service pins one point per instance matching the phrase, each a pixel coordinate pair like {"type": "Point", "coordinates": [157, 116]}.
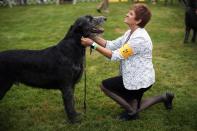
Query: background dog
{"type": "Point", "coordinates": [57, 67]}
{"type": "Point", "coordinates": [190, 19]}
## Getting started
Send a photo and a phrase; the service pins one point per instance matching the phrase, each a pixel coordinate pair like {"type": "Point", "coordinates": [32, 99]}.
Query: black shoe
{"type": "Point", "coordinates": [124, 113]}
{"type": "Point", "coordinates": [168, 100]}
{"type": "Point", "coordinates": [125, 116]}
{"type": "Point", "coordinates": [98, 10]}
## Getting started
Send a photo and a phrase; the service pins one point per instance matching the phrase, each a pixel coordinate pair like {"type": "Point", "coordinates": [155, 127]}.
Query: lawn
{"type": "Point", "coordinates": [37, 27]}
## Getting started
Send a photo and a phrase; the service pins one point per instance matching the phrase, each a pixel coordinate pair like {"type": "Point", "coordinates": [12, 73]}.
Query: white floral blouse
{"type": "Point", "coordinates": [136, 69]}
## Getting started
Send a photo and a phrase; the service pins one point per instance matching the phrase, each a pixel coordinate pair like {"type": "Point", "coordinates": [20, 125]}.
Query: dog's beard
{"type": "Point", "coordinates": [96, 32]}
{"type": "Point", "coordinates": [94, 35]}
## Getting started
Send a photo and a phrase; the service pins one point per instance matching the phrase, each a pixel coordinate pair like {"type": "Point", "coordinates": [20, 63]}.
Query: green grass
{"type": "Point", "coordinates": [37, 27]}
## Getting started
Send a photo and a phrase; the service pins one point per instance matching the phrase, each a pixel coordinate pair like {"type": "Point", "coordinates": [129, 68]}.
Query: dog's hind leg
{"type": "Point", "coordinates": [194, 36]}
{"type": "Point", "coordinates": [5, 85]}
{"type": "Point", "coordinates": [68, 98]}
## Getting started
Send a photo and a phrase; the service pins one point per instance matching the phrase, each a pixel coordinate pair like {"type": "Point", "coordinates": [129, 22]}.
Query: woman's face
{"type": "Point", "coordinates": [130, 18]}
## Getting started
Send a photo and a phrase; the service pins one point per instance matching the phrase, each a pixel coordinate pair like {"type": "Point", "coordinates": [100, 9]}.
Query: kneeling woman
{"type": "Point", "coordinates": [134, 51]}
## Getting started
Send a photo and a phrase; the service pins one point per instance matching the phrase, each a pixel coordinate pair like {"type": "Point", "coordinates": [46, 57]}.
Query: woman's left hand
{"type": "Point", "coordinates": [86, 41]}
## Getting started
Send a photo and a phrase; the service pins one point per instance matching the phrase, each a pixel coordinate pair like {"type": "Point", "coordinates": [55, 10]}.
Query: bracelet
{"type": "Point", "coordinates": [94, 45]}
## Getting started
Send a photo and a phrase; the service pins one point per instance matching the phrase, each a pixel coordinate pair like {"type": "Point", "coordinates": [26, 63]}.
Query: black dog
{"type": "Point", "coordinates": [57, 67]}
{"type": "Point", "coordinates": [190, 19]}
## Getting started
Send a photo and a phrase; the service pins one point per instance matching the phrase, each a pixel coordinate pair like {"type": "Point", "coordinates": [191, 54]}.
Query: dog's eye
{"type": "Point", "coordinates": [90, 18]}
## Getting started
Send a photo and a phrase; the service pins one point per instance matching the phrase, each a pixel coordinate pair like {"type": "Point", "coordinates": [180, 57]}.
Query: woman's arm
{"type": "Point", "coordinates": [106, 52]}
{"type": "Point", "coordinates": [100, 47]}
{"type": "Point", "coordinates": [102, 42]}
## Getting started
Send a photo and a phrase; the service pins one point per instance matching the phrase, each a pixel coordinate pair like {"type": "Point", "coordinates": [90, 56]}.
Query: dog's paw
{"type": "Point", "coordinates": [76, 119]}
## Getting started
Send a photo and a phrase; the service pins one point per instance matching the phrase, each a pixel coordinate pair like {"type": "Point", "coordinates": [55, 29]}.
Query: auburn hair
{"type": "Point", "coordinates": [142, 13]}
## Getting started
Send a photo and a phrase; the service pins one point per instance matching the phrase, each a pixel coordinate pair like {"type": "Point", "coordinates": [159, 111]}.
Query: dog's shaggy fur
{"type": "Point", "coordinates": [57, 67]}
{"type": "Point", "coordinates": [190, 19]}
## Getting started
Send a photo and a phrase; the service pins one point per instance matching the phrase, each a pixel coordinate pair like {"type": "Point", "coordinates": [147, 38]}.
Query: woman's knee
{"type": "Point", "coordinates": [102, 87]}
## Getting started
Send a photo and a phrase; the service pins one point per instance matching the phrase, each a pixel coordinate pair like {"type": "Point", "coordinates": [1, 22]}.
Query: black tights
{"type": "Point", "coordinates": [124, 101]}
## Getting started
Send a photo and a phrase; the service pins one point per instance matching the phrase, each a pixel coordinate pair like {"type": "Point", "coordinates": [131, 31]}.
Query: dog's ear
{"type": "Point", "coordinates": [80, 24]}
{"type": "Point", "coordinates": [83, 20]}
{"type": "Point", "coordinates": [77, 25]}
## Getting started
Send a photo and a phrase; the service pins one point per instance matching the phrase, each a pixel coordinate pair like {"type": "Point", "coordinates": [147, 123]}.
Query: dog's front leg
{"type": "Point", "coordinates": [187, 31]}
{"type": "Point", "coordinates": [68, 99]}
